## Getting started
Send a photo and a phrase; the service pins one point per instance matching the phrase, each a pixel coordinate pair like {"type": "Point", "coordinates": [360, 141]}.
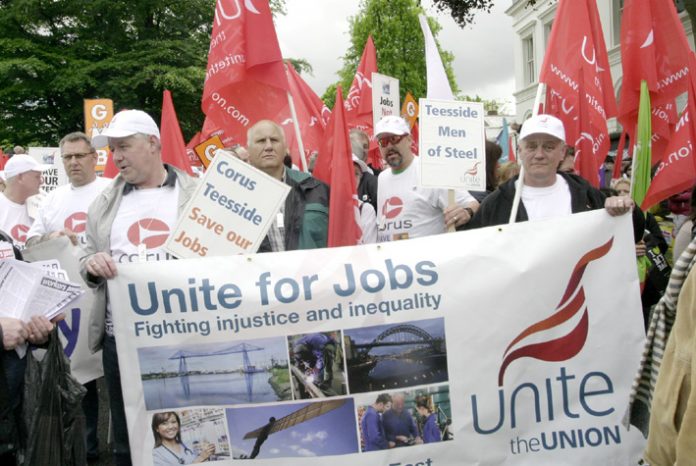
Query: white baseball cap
{"type": "Point", "coordinates": [22, 163]}
{"type": "Point", "coordinates": [392, 124]}
{"type": "Point", "coordinates": [126, 123]}
{"type": "Point", "coordinates": [543, 124]}
{"type": "Point", "coordinates": [363, 166]}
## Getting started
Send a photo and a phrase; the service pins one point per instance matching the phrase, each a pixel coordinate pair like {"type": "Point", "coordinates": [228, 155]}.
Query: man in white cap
{"type": "Point", "coordinates": [546, 193]}
{"type": "Point", "coordinates": [128, 222]}
{"type": "Point", "coordinates": [23, 180]}
{"type": "Point", "coordinates": [406, 209]}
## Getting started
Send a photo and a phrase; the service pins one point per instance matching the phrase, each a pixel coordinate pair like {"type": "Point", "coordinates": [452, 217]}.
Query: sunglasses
{"type": "Point", "coordinates": [393, 140]}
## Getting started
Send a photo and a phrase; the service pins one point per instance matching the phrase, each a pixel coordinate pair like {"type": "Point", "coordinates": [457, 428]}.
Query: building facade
{"type": "Point", "coordinates": [532, 26]}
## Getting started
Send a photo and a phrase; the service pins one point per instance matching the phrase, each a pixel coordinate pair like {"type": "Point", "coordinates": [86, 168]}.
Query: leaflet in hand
{"type": "Point", "coordinates": [27, 290]}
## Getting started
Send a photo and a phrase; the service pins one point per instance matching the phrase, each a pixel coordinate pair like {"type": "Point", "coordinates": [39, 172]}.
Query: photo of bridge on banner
{"type": "Point", "coordinates": [213, 374]}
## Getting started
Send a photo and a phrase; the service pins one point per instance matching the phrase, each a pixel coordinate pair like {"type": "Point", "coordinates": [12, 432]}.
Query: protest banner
{"type": "Point", "coordinates": [206, 150]}
{"type": "Point", "coordinates": [518, 345]}
{"type": "Point", "coordinates": [54, 176]}
{"type": "Point", "coordinates": [232, 209]}
{"type": "Point", "coordinates": [385, 97]}
{"type": "Point", "coordinates": [73, 330]}
{"type": "Point", "coordinates": [98, 114]}
{"type": "Point", "coordinates": [452, 144]}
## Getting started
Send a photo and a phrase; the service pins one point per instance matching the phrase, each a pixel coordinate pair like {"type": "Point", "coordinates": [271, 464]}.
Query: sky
{"type": "Point", "coordinates": [155, 358]}
{"type": "Point", "coordinates": [331, 433]}
{"type": "Point", "coordinates": [317, 30]}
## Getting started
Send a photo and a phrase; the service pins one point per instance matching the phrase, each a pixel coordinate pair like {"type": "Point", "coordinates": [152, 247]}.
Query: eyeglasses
{"type": "Point", "coordinates": [394, 139]}
{"type": "Point", "coordinates": [77, 156]}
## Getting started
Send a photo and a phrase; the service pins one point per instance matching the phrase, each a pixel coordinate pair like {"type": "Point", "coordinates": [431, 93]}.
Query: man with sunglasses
{"type": "Point", "coordinates": [546, 192]}
{"type": "Point", "coordinates": [64, 211]}
{"type": "Point", "coordinates": [406, 209]}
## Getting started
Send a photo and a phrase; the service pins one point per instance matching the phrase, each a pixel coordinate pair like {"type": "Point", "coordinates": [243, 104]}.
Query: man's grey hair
{"type": "Point", "coordinates": [75, 137]}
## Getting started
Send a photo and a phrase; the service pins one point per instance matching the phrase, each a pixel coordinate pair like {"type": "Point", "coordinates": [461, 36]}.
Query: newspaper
{"type": "Point", "coordinates": [27, 290]}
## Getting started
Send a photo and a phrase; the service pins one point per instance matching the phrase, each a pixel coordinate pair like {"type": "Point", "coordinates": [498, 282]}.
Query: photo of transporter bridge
{"type": "Point", "coordinates": [398, 355]}
{"type": "Point", "coordinates": [215, 373]}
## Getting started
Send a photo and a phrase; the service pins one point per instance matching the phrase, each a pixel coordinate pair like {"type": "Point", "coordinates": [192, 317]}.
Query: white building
{"type": "Point", "coordinates": [532, 25]}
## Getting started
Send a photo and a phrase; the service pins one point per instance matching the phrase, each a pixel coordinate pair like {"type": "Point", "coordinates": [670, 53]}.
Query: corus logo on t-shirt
{"type": "Point", "coordinates": [152, 232]}
{"type": "Point", "coordinates": [19, 233]}
{"type": "Point", "coordinates": [77, 222]}
{"type": "Point", "coordinates": [392, 207]}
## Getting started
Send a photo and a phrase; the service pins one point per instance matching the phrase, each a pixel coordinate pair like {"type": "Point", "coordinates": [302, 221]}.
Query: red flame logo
{"type": "Point", "coordinates": [474, 170]}
{"type": "Point", "coordinates": [567, 346]}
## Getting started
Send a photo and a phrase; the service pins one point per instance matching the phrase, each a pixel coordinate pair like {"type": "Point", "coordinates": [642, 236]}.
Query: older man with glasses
{"type": "Point", "coordinates": [64, 211]}
{"type": "Point", "coordinates": [406, 209]}
{"type": "Point", "coordinates": [546, 193]}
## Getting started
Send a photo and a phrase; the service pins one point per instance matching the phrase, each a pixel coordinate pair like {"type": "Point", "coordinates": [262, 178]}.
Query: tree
{"type": "Point", "coordinates": [399, 42]}
{"type": "Point", "coordinates": [55, 54]}
{"type": "Point", "coordinates": [463, 11]}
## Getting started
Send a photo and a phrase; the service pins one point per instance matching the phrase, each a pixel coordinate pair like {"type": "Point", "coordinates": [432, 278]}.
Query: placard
{"type": "Point", "coordinates": [385, 97]}
{"type": "Point", "coordinates": [452, 144]}
{"type": "Point", "coordinates": [230, 212]}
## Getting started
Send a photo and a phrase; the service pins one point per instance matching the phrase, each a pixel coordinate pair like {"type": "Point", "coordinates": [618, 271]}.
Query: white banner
{"type": "Point", "coordinates": [54, 176]}
{"type": "Point", "coordinates": [73, 331]}
{"type": "Point", "coordinates": [385, 97]}
{"type": "Point", "coordinates": [452, 144]}
{"type": "Point", "coordinates": [507, 345]}
{"type": "Point", "coordinates": [232, 209]}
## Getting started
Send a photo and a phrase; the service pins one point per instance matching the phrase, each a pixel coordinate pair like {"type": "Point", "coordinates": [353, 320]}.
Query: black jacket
{"type": "Point", "coordinates": [496, 208]}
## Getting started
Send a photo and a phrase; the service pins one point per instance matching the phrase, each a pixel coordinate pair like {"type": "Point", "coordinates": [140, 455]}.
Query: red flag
{"type": "Point", "coordinates": [511, 152]}
{"type": "Point", "coordinates": [335, 167]}
{"type": "Point", "coordinates": [195, 140]}
{"type": "Point", "coordinates": [585, 166]}
{"type": "Point", "coordinates": [576, 73]}
{"type": "Point", "coordinates": [245, 79]}
{"type": "Point", "coordinates": [358, 102]}
{"type": "Point", "coordinates": [618, 160]}
{"type": "Point", "coordinates": [312, 117]}
{"type": "Point", "coordinates": [110, 170]}
{"type": "Point", "coordinates": [654, 48]}
{"type": "Point", "coordinates": [677, 169]}
{"type": "Point", "coordinates": [173, 145]}
{"type": "Point", "coordinates": [3, 159]}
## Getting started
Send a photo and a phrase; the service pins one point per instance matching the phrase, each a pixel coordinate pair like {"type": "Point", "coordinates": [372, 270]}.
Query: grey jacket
{"type": "Point", "coordinates": [100, 218]}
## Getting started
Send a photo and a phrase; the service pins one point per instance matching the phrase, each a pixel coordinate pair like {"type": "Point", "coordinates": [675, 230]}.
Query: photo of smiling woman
{"type": "Point", "coordinates": [169, 449]}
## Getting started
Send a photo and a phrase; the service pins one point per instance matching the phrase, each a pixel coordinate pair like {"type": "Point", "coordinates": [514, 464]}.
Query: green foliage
{"type": "Point", "coordinates": [463, 11]}
{"type": "Point", "coordinates": [399, 42]}
{"type": "Point", "coordinates": [54, 54]}
{"type": "Point", "coordinates": [301, 65]}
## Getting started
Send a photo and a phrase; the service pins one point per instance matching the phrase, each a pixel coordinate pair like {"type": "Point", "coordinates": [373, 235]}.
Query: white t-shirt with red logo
{"type": "Point", "coordinates": [548, 202]}
{"type": "Point", "coordinates": [145, 216]}
{"type": "Point", "coordinates": [408, 210]}
{"type": "Point", "coordinates": [14, 220]}
{"type": "Point", "coordinates": [66, 208]}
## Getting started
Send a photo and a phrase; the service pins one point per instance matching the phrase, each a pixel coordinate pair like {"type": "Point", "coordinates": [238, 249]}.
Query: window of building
{"type": "Point", "coordinates": [528, 54]}
{"type": "Point", "coordinates": [547, 33]}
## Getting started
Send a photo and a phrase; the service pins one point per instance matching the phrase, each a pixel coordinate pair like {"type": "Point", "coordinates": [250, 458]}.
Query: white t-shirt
{"type": "Point", "coordinates": [548, 202]}
{"type": "Point", "coordinates": [14, 220]}
{"type": "Point", "coordinates": [66, 208]}
{"type": "Point", "coordinates": [408, 210]}
{"type": "Point", "coordinates": [145, 216]}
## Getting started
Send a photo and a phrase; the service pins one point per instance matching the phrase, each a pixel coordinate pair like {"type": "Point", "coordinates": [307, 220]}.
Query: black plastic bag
{"type": "Point", "coordinates": [53, 416]}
